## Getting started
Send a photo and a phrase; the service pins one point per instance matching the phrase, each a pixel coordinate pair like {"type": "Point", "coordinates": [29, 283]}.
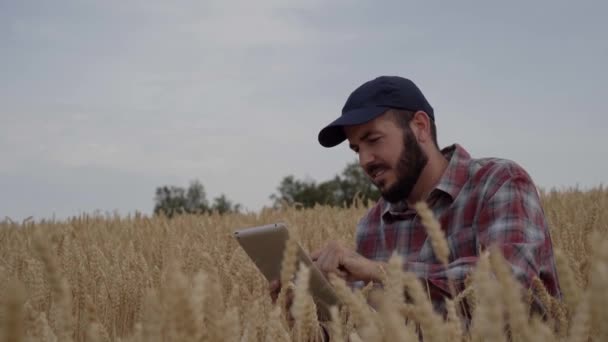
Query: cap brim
{"type": "Point", "coordinates": [333, 134]}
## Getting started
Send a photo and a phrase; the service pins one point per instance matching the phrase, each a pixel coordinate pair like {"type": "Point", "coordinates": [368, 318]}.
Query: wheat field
{"type": "Point", "coordinates": [137, 278]}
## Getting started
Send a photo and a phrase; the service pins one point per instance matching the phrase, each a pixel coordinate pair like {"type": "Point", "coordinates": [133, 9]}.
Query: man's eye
{"type": "Point", "coordinates": [373, 140]}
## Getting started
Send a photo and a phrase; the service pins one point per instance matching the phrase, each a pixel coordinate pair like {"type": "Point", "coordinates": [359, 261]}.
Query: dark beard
{"type": "Point", "coordinates": [408, 170]}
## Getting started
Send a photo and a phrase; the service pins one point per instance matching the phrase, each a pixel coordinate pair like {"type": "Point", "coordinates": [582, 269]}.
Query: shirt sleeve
{"type": "Point", "coordinates": [511, 218]}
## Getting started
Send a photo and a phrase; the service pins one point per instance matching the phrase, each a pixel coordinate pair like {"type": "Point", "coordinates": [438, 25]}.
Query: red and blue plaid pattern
{"type": "Point", "coordinates": [479, 202]}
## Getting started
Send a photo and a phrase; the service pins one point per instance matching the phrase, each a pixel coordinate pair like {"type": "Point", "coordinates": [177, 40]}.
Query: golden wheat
{"type": "Point", "coordinates": [136, 278]}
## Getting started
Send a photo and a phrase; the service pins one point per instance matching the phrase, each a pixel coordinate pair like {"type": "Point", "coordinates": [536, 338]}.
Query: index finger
{"type": "Point", "coordinates": [315, 255]}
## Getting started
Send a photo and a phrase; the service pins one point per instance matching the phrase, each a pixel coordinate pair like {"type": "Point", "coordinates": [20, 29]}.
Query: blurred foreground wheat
{"type": "Point", "coordinates": [185, 279]}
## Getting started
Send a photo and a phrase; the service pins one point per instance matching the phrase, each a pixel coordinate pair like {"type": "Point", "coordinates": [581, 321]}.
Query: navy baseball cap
{"type": "Point", "coordinates": [371, 100]}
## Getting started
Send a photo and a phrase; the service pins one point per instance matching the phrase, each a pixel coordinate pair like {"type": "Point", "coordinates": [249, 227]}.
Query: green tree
{"type": "Point", "coordinates": [223, 205]}
{"type": "Point", "coordinates": [293, 191]}
{"type": "Point", "coordinates": [196, 198]}
{"type": "Point", "coordinates": [354, 182]}
{"type": "Point", "coordinates": [174, 200]}
{"type": "Point", "coordinates": [170, 200]}
{"type": "Point", "coordinates": [338, 191]}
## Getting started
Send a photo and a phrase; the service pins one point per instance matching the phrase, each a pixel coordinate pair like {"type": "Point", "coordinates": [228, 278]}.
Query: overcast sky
{"type": "Point", "coordinates": [103, 101]}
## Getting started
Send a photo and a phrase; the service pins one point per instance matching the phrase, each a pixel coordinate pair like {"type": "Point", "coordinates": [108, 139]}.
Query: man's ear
{"type": "Point", "coordinates": [421, 126]}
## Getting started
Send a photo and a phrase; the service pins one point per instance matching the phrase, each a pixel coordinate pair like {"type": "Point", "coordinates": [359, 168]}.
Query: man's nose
{"type": "Point", "coordinates": [365, 158]}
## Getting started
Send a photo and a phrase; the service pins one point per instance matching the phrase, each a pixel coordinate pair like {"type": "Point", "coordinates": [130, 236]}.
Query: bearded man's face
{"type": "Point", "coordinates": [390, 156]}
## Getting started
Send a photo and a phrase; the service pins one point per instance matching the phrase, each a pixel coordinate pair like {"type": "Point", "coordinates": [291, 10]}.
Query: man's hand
{"type": "Point", "coordinates": [347, 264]}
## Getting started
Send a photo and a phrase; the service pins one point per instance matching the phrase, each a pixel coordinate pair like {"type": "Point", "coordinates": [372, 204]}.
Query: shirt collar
{"type": "Point", "coordinates": [457, 172]}
{"type": "Point", "coordinates": [451, 182]}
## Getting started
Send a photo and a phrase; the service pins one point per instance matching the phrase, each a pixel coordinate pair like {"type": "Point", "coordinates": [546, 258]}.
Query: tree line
{"type": "Point", "coordinates": [339, 191]}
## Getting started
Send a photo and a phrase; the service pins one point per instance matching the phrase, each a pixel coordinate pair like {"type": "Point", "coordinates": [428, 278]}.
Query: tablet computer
{"type": "Point", "coordinates": [265, 246]}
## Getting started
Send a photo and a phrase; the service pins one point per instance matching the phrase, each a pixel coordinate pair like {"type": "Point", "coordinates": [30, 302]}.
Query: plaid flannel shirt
{"type": "Point", "coordinates": [479, 202]}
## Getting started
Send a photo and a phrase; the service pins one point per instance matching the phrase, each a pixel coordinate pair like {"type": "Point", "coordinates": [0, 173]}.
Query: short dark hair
{"type": "Point", "coordinates": [403, 118]}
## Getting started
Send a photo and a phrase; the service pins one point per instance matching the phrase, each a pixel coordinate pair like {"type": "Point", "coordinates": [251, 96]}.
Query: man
{"type": "Point", "coordinates": [479, 202]}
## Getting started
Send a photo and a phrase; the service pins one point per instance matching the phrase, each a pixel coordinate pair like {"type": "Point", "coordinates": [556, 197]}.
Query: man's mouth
{"type": "Point", "coordinates": [376, 174]}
